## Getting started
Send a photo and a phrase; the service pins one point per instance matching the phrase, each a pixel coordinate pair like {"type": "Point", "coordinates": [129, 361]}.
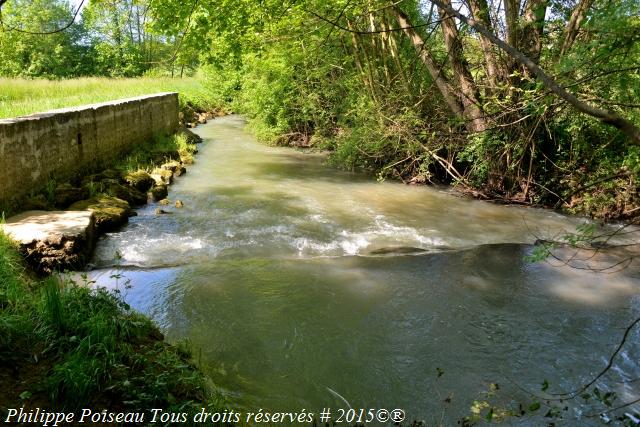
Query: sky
{"type": "Point", "coordinates": [76, 3]}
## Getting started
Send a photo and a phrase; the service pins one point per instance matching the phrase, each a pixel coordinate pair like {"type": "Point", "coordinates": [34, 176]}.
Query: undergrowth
{"type": "Point", "coordinates": [155, 152]}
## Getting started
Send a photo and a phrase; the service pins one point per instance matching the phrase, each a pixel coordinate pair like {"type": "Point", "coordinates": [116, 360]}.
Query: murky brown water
{"type": "Point", "coordinates": [270, 271]}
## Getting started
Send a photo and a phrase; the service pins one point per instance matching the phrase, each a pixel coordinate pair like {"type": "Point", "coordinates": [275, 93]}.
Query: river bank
{"type": "Point", "coordinates": [66, 345]}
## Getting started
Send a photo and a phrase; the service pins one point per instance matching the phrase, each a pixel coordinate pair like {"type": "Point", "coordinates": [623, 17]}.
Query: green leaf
{"type": "Point", "coordinates": [25, 395]}
{"type": "Point", "coordinates": [545, 385]}
{"type": "Point", "coordinates": [489, 415]}
{"type": "Point", "coordinates": [534, 406]}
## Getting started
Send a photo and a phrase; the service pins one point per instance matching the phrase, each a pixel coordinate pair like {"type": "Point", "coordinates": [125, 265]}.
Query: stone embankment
{"type": "Point", "coordinates": [61, 144]}
{"type": "Point", "coordinates": [57, 240]}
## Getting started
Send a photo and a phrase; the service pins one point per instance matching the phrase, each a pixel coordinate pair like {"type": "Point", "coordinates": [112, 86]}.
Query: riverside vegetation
{"type": "Point", "coordinates": [62, 344]}
{"type": "Point", "coordinates": [68, 346]}
{"type": "Point", "coordinates": [65, 345]}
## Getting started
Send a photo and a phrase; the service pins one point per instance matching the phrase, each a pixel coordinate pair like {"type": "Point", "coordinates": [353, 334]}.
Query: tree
{"type": "Point", "coordinates": [24, 51]}
{"type": "Point", "coordinates": [120, 37]}
{"type": "Point", "coordinates": [534, 14]}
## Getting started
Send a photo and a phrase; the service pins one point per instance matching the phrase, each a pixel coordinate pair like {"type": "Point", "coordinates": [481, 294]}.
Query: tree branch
{"type": "Point", "coordinates": [44, 33]}
{"type": "Point", "coordinates": [605, 116]}
{"type": "Point", "coordinates": [349, 30]}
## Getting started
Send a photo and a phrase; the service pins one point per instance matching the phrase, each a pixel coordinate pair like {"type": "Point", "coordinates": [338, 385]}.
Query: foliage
{"type": "Point", "coordinates": [62, 54]}
{"type": "Point", "coordinates": [113, 38]}
{"type": "Point", "coordinates": [546, 408]}
{"type": "Point", "coordinates": [337, 75]}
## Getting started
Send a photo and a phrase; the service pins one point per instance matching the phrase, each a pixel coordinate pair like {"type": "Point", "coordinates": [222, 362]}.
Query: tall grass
{"type": "Point", "coordinates": [20, 97]}
{"type": "Point", "coordinates": [10, 270]}
{"type": "Point", "coordinates": [87, 345]}
{"type": "Point", "coordinates": [145, 156]}
{"type": "Point", "coordinates": [13, 298]}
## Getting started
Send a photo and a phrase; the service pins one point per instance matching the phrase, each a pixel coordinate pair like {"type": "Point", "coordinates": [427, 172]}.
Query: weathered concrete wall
{"type": "Point", "coordinates": [61, 143]}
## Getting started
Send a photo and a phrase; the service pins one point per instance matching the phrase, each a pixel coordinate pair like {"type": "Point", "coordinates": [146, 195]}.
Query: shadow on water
{"type": "Point", "coordinates": [377, 329]}
{"type": "Point", "coordinates": [301, 167]}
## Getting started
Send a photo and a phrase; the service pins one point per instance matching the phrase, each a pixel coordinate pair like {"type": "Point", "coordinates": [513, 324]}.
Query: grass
{"type": "Point", "coordinates": [66, 345]}
{"type": "Point", "coordinates": [20, 97]}
{"type": "Point", "coordinates": [145, 157]}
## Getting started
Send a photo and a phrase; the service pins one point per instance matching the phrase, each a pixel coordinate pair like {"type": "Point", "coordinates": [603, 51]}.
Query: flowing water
{"type": "Point", "coordinates": [296, 283]}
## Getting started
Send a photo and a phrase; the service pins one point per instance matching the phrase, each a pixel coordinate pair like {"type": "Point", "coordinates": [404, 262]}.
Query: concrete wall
{"type": "Point", "coordinates": [62, 143]}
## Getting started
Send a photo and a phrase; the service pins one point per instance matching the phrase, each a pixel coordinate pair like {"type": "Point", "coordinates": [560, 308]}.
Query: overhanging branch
{"type": "Point", "coordinates": [43, 33]}
{"type": "Point", "coordinates": [605, 116]}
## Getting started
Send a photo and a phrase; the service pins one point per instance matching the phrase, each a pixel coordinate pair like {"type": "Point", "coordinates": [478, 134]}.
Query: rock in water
{"type": "Point", "coordinates": [53, 241]}
{"type": "Point", "coordinates": [140, 180]}
{"type": "Point", "coordinates": [128, 194]}
{"type": "Point", "coordinates": [397, 250]}
{"type": "Point", "coordinates": [190, 137]}
{"type": "Point", "coordinates": [162, 176]}
{"type": "Point", "coordinates": [179, 204]}
{"type": "Point", "coordinates": [175, 167]}
{"type": "Point", "coordinates": [159, 193]}
{"type": "Point", "coordinates": [110, 212]}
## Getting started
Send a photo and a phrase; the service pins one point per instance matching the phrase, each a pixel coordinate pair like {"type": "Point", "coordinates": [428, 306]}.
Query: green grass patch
{"type": "Point", "coordinates": [68, 345]}
{"type": "Point", "coordinates": [20, 97]}
{"type": "Point", "coordinates": [156, 152]}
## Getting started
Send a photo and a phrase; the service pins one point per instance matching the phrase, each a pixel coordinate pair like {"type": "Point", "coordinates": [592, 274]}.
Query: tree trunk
{"type": "Point", "coordinates": [393, 47]}
{"type": "Point", "coordinates": [448, 94]}
{"type": "Point", "coordinates": [470, 95]}
{"type": "Point", "coordinates": [356, 56]}
{"type": "Point", "coordinates": [605, 116]}
{"type": "Point", "coordinates": [480, 11]}
{"type": "Point", "coordinates": [573, 26]}
{"type": "Point", "coordinates": [533, 29]}
{"type": "Point", "coordinates": [511, 13]}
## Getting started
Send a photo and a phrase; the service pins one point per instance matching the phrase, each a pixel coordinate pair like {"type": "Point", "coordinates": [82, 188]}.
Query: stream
{"type": "Point", "coordinates": [302, 286]}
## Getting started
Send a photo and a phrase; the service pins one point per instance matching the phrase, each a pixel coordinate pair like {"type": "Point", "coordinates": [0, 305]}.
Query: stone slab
{"type": "Point", "coordinates": [53, 241]}
{"type": "Point", "coordinates": [47, 226]}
